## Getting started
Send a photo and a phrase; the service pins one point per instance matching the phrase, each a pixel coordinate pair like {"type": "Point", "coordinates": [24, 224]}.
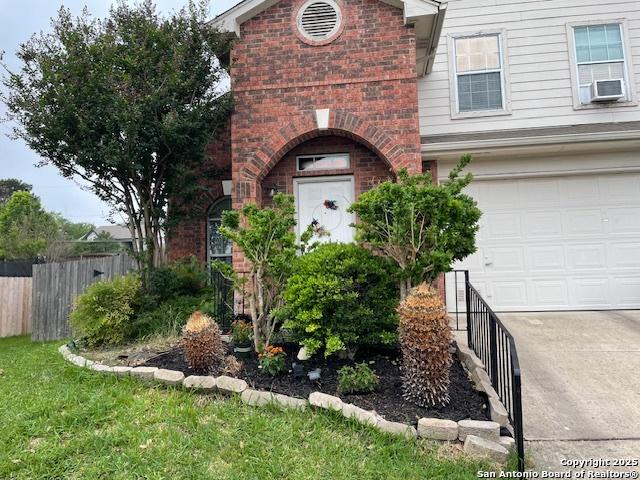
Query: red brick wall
{"type": "Point", "coordinates": [366, 77]}
{"type": "Point", "coordinates": [189, 236]}
{"type": "Point", "coordinates": [366, 167]}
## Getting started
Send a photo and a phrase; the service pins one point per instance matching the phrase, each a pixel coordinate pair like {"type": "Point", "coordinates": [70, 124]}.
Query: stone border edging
{"type": "Point", "coordinates": [474, 365]}
{"type": "Point", "coordinates": [480, 438]}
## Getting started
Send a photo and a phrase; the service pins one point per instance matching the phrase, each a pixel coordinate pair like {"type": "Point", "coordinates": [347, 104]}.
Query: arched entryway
{"type": "Point", "coordinates": [325, 175]}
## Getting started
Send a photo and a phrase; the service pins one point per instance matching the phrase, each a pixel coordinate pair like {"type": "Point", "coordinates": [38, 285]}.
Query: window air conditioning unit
{"type": "Point", "coordinates": [607, 90]}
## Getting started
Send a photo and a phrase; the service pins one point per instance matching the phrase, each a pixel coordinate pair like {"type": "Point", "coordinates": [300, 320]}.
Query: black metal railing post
{"type": "Point", "coordinates": [467, 299]}
{"type": "Point", "coordinates": [493, 351]}
{"type": "Point", "coordinates": [517, 417]}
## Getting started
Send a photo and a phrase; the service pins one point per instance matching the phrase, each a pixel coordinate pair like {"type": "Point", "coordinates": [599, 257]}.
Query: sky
{"type": "Point", "coordinates": [19, 19]}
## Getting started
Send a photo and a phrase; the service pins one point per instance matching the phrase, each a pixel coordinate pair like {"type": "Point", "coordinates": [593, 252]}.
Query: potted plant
{"type": "Point", "coordinates": [241, 335]}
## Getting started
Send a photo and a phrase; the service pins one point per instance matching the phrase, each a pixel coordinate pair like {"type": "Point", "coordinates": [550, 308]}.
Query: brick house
{"type": "Point", "coordinates": [324, 109]}
{"type": "Point", "coordinates": [333, 96]}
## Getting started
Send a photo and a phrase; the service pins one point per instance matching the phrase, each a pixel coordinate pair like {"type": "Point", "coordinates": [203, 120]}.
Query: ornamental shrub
{"type": "Point", "coordinates": [202, 343]}
{"type": "Point", "coordinates": [425, 339]}
{"type": "Point", "coordinates": [340, 297]}
{"type": "Point", "coordinates": [186, 277]}
{"type": "Point", "coordinates": [357, 379]}
{"type": "Point", "coordinates": [102, 314]}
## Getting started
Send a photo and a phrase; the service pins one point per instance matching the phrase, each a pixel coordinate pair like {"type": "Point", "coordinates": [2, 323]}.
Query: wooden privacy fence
{"type": "Point", "coordinates": [15, 306]}
{"type": "Point", "coordinates": [55, 286]}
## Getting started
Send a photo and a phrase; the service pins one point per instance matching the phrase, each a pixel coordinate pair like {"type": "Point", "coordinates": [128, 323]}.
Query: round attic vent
{"type": "Point", "coordinates": [319, 19]}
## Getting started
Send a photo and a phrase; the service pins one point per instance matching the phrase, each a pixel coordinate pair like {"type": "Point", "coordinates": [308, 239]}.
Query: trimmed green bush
{"type": "Point", "coordinates": [357, 379]}
{"type": "Point", "coordinates": [187, 277]}
{"type": "Point", "coordinates": [102, 314]}
{"type": "Point", "coordinates": [340, 297]}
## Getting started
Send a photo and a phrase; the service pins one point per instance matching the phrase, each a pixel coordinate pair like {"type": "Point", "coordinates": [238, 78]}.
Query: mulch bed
{"type": "Point", "coordinates": [387, 400]}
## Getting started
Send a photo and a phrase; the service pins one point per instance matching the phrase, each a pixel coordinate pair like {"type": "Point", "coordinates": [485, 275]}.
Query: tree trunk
{"type": "Point", "coordinates": [405, 288]}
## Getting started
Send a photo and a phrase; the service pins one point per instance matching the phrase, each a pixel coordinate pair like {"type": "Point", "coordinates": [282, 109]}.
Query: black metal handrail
{"type": "Point", "coordinates": [495, 346]}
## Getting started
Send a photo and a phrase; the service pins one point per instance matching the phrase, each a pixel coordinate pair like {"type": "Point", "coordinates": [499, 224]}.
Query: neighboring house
{"type": "Point", "coordinates": [118, 233]}
{"type": "Point", "coordinates": [333, 96]}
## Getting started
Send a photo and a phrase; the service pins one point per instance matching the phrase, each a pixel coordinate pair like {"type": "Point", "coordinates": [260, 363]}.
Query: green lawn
{"type": "Point", "coordinates": [59, 421]}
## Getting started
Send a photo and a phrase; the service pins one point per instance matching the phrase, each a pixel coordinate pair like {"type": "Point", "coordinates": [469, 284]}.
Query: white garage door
{"type": "Point", "coordinates": [557, 243]}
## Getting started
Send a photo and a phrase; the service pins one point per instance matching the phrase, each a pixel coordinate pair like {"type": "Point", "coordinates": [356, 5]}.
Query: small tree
{"type": "Point", "coordinates": [422, 226]}
{"type": "Point", "coordinates": [267, 239]}
{"type": "Point", "coordinates": [127, 103]}
{"type": "Point", "coordinates": [26, 229]}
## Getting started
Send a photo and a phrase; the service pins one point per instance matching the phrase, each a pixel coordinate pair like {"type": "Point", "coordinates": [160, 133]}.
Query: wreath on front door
{"type": "Point", "coordinates": [330, 204]}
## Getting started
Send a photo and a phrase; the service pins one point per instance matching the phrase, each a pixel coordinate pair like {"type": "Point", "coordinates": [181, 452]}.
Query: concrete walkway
{"type": "Point", "coordinates": [581, 384]}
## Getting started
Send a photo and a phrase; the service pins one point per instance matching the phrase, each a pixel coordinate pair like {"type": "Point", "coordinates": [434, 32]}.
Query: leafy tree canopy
{"type": "Point", "coordinates": [127, 103]}
{"type": "Point", "coordinates": [10, 185]}
{"type": "Point", "coordinates": [26, 229]}
{"type": "Point", "coordinates": [424, 227]}
{"type": "Point", "coordinates": [72, 230]}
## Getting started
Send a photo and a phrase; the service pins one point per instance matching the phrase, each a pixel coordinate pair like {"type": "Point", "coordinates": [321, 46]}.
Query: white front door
{"type": "Point", "coordinates": [323, 202]}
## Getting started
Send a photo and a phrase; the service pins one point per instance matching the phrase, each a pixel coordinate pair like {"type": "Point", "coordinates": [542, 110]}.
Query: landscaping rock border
{"type": "Point", "coordinates": [481, 438]}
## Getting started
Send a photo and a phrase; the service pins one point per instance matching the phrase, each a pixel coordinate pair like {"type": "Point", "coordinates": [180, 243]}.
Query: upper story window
{"type": "Point", "coordinates": [601, 70]}
{"type": "Point", "coordinates": [479, 81]}
{"type": "Point", "coordinates": [600, 63]}
{"type": "Point", "coordinates": [329, 161]}
{"type": "Point", "coordinates": [319, 21]}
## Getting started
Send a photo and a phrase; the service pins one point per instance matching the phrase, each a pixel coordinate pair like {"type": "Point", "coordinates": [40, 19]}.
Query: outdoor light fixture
{"type": "Point", "coordinates": [226, 187]}
{"type": "Point", "coordinates": [272, 191]}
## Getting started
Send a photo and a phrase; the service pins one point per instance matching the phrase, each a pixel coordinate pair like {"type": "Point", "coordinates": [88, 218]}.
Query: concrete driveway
{"type": "Point", "coordinates": [581, 384]}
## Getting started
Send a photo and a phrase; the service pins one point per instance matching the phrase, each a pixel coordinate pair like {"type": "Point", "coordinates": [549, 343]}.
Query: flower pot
{"type": "Point", "coordinates": [243, 349]}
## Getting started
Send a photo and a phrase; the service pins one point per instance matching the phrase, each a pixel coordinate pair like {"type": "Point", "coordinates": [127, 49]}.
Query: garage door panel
{"type": "Point", "coordinates": [546, 223]}
{"type": "Point", "coordinates": [546, 258]}
{"type": "Point", "coordinates": [584, 221]}
{"type": "Point", "coordinates": [550, 293]}
{"type": "Point", "coordinates": [579, 188]}
{"type": "Point", "coordinates": [587, 257]}
{"type": "Point", "coordinates": [503, 225]}
{"type": "Point", "coordinates": [620, 188]}
{"type": "Point", "coordinates": [624, 255]}
{"type": "Point", "coordinates": [627, 291]}
{"type": "Point", "coordinates": [505, 259]}
{"type": "Point", "coordinates": [475, 261]}
{"type": "Point", "coordinates": [498, 196]}
{"type": "Point", "coordinates": [591, 292]}
{"type": "Point", "coordinates": [558, 243]}
{"type": "Point", "coordinates": [536, 193]}
{"type": "Point", "coordinates": [624, 219]}
{"type": "Point", "coordinates": [508, 294]}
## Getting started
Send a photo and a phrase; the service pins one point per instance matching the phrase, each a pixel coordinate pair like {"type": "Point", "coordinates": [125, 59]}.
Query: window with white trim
{"type": "Point", "coordinates": [327, 161]}
{"type": "Point", "coordinates": [599, 55]}
{"type": "Point", "coordinates": [479, 73]}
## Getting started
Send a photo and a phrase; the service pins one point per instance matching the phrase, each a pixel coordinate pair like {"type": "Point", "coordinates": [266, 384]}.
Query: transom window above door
{"type": "Point", "coordinates": [324, 161]}
{"type": "Point", "coordinates": [479, 75]}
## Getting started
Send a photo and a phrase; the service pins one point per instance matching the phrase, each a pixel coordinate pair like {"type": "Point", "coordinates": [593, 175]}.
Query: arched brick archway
{"type": "Point", "coordinates": [305, 127]}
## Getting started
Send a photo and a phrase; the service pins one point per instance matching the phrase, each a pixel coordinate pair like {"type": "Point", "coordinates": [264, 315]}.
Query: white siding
{"type": "Point", "coordinates": [538, 58]}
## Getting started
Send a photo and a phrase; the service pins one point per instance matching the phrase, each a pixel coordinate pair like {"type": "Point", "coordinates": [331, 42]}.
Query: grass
{"type": "Point", "coordinates": [59, 421]}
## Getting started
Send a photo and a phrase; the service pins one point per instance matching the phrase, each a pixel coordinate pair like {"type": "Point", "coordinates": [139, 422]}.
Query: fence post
{"type": "Point", "coordinates": [467, 299]}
